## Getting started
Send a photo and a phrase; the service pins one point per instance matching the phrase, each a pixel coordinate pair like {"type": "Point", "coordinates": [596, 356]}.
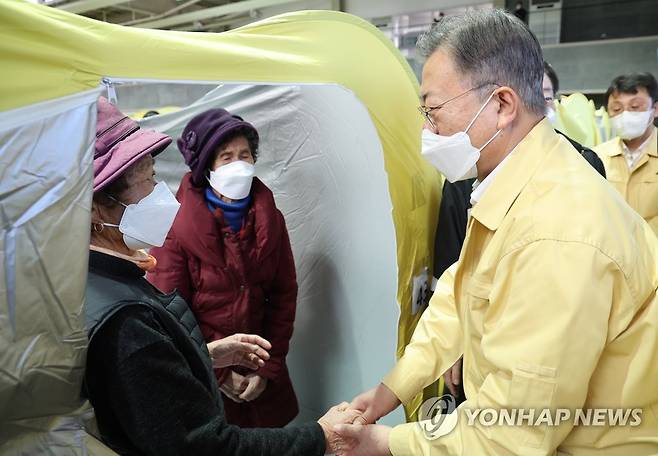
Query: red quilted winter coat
{"type": "Point", "coordinates": [237, 283]}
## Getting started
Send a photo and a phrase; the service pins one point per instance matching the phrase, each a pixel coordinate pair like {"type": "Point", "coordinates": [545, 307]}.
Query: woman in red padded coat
{"type": "Point", "coordinates": [228, 254]}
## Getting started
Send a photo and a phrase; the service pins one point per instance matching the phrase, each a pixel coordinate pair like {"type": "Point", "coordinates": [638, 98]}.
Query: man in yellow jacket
{"type": "Point", "coordinates": [631, 159]}
{"type": "Point", "coordinates": [553, 300]}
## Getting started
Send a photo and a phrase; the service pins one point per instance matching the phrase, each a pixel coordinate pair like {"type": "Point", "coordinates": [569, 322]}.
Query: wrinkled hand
{"type": "Point", "coordinates": [371, 440]}
{"type": "Point", "coordinates": [339, 414]}
{"type": "Point", "coordinates": [246, 350]}
{"type": "Point", "coordinates": [453, 378]}
{"type": "Point", "coordinates": [233, 386]}
{"type": "Point", "coordinates": [374, 404]}
{"type": "Point", "coordinates": [255, 387]}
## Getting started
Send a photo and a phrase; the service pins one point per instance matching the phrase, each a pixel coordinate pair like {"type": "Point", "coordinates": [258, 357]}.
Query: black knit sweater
{"type": "Point", "coordinates": [148, 394]}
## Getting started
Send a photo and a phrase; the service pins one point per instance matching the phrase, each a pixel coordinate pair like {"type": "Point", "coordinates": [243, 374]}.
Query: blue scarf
{"type": "Point", "coordinates": [234, 213]}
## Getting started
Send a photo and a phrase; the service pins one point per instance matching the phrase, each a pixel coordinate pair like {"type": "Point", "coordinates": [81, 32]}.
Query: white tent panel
{"type": "Point", "coordinates": [46, 153]}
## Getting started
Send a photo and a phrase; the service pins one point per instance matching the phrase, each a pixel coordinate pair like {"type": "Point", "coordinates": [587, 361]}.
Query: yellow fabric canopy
{"type": "Point", "coordinates": [46, 54]}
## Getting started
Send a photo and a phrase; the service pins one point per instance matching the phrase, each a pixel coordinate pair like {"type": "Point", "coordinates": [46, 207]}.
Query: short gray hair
{"type": "Point", "coordinates": [492, 46]}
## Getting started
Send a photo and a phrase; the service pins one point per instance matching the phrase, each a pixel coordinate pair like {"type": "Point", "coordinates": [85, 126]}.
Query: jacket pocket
{"type": "Point", "coordinates": [479, 288]}
{"type": "Point", "coordinates": [532, 388]}
{"type": "Point", "coordinates": [477, 303]}
{"type": "Point", "coordinates": [651, 177]}
{"type": "Point", "coordinates": [648, 198]}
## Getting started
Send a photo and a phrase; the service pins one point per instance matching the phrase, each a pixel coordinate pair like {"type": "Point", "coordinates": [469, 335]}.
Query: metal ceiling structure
{"type": "Point", "coordinates": [189, 15]}
{"type": "Point", "coordinates": [245, 6]}
{"type": "Point", "coordinates": [84, 6]}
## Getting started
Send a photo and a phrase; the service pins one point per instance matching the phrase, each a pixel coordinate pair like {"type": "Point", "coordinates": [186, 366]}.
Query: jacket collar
{"type": "Point", "coordinates": [517, 172]}
{"type": "Point", "coordinates": [616, 149]}
{"type": "Point", "coordinates": [201, 231]}
{"type": "Point", "coordinates": [650, 146]}
{"type": "Point", "coordinates": [195, 227]}
{"type": "Point", "coordinates": [114, 266]}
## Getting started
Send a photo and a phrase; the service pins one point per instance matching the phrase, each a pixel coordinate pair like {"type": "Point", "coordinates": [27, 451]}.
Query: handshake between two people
{"type": "Point", "coordinates": [349, 428]}
{"type": "Point", "coordinates": [354, 433]}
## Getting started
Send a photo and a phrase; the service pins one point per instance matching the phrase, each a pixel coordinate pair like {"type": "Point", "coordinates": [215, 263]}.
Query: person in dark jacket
{"type": "Point", "coordinates": [149, 373]}
{"type": "Point", "coordinates": [521, 12]}
{"type": "Point", "coordinates": [229, 255]}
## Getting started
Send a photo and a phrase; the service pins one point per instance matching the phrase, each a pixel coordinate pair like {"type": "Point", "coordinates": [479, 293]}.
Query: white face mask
{"type": "Point", "coordinates": [631, 125]}
{"type": "Point", "coordinates": [455, 156]}
{"type": "Point", "coordinates": [145, 224]}
{"type": "Point", "coordinates": [551, 115]}
{"type": "Point", "coordinates": [233, 180]}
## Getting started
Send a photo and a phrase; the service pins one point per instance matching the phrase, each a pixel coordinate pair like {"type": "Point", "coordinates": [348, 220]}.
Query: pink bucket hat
{"type": "Point", "coordinates": [120, 143]}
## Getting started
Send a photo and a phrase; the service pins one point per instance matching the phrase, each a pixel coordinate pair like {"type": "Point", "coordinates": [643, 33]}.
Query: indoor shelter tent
{"type": "Point", "coordinates": [334, 102]}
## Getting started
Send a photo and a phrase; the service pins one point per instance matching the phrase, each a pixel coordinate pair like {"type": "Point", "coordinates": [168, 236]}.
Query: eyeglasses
{"type": "Point", "coordinates": [426, 110]}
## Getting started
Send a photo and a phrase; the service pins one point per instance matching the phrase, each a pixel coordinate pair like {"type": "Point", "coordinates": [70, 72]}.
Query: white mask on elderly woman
{"type": "Point", "coordinates": [146, 223]}
{"type": "Point", "coordinates": [233, 180]}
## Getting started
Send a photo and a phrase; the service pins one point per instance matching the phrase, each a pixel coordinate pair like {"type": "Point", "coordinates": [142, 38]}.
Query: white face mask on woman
{"type": "Point", "coordinates": [455, 156]}
{"type": "Point", "coordinates": [233, 180]}
{"type": "Point", "coordinates": [146, 223]}
{"type": "Point", "coordinates": [630, 124]}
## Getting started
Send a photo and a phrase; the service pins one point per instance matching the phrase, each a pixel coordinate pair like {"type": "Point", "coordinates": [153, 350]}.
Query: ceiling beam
{"type": "Point", "coordinates": [226, 21]}
{"type": "Point", "coordinates": [83, 6]}
{"type": "Point", "coordinates": [134, 10]}
{"type": "Point", "coordinates": [208, 13]}
{"type": "Point", "coordinates": [162, 15]}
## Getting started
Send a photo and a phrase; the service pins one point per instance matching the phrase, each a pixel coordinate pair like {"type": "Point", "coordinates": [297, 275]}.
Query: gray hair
{"type": "Point", "coordinates": [491, 46]}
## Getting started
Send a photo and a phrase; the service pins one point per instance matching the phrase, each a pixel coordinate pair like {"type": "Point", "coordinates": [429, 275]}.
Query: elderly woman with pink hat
{"type": "Point", "coordinates": [149, 370]}
{"type": "Point", "coordinates": [229, 256]}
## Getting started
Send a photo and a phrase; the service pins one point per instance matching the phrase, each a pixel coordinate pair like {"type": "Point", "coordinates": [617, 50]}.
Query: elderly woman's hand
{"type": "Point", "coordinates": [339, 414]}
{"type": "Point", "coordinates": [246, 350]}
